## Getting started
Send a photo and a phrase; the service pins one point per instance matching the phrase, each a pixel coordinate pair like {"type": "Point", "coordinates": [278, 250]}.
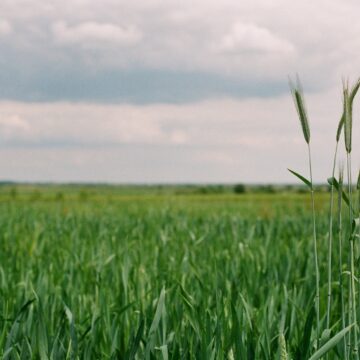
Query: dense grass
{"type": "Point", "coordinates": [180, 277]}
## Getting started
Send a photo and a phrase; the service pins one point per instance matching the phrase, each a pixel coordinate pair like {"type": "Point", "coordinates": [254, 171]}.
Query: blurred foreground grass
{"type": "Point", "coordinates": [121, 275]}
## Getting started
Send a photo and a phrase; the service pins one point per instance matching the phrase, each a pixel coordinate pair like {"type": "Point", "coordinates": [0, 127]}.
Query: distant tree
{"type": "Point", "coordinates": [269, 189]}
{"type": "Point", "coordinates": [59, 196]}
{"type": "Point", "coordinates": [83, 195]}
{"type": "Point", "coordinates": [239, 189]}
{"type": "Point", "coordinates": [13, 193]}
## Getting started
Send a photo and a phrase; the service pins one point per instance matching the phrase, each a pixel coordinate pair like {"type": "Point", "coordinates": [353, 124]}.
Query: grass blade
{"type": "Point", "coordinates": [331, 343]}
{"type": "Point", "coordinates": [332, 181]}
{"type": "Point", "coordinates": [302, 178]}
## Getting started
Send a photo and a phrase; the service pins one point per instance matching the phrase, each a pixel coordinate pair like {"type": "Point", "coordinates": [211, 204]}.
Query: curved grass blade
{"type": "Point", "coordinates": [332, 181]}
{"type": "Point", "coordinates": [73, 336]}
{"type": "Point", "coordinates": [340, 127]}
{"type": "Point", "coordinates": [354, 91]}
{"type": "Point", "coordinates": [155, 324]}
{"type": "Point", "coordinates": [16, 326]}
{"type": "Point", "coordinates": [304, 347]}
{"type": "Point", "coordinates": [331, 343]}
{"type": "Point", "coordinates": [302, 178]}
{"type": "Point", "coordinates": [135, 343]}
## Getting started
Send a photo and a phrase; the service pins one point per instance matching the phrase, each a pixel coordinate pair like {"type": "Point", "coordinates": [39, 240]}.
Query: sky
{"type": "Point", "coordinates": [164, 91]}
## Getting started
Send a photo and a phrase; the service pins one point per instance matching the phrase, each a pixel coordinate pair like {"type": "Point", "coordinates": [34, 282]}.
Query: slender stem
{"type": "Point", "coordinates": [343, 320]}
{"type": "Point", "coordinates": [352, 267]}
{"type": "Point", "coordinates": [350, 320]}
{"type": "Point", "coordinates": [359, 226]}
{"type": "Point", "coordinates": [330, 242]}
{"type": "Point", "coordinates": [317, 273]}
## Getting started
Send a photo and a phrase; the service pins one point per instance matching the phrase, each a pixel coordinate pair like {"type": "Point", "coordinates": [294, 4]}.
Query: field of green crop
{"type": "Point", "coordinates": [160, 277]}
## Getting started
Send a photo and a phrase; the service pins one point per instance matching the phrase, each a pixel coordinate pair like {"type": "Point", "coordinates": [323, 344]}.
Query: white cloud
{"type": "Point", "coordinates": [215, 140]}
{"type": "Point", "coordinates": [249, 37]}
{"type": "Point", "coordinates": [187, 35]}
{"type": "Point", "coordinates": [13, 127]}
{"type": "Point", "coordinates": [92, 33]}
{"type": "Point", "coordinates": [14, 122]}
{"type": "Point", "coordinates": [5, 27]}
{"type": "Point", "coordinates": [211, 141]}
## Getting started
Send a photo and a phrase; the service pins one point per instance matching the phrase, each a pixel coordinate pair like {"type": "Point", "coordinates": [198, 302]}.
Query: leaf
{"type": "Point", "coordinates": [340, 127]}
{"type": "Point", "coordinates": [13, 333]}
{"type": "Point", "coordinates": [155, 324]}
{"type": "Point", "coordinates": [158, 312]}
{"type": "Point", "coordinates": [187, 298]}
{"type": "Point", "coordinates": [73, 336]}
{"type": "Point", "coordinates": [136, 341]}
{"type": "Point", "coordinates": [333, 182]}
{"type": "Point", "coordinates": [302, 178]}
{"type": "Point", "coordinates": [325, 336]}
{"type": "Point", "coordinates": [304, 346]}
{"type": "Point", "coordinates": [331, 343]}
{"type": "Point", "coordinates": [355, 227]}
{"type": "Point", "coordinates": [354, 91]}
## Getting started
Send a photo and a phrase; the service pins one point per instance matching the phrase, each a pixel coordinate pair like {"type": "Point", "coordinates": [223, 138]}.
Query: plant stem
{"type": "Point", "coordinates": [330, 242]}
{"type": "Point", "coordinates": [317, 273]}
{"type": "Point", "coordinates": [343, 320]}
{"type": "Point", "coordinates": [352, 268]}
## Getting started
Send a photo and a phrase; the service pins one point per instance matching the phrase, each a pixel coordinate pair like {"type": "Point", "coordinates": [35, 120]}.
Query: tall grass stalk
{"type": "Point", "coordinates": [302, 113]}
{"type": "Point", "coordinates": [348, 147]}
{"type": "Point", "coordinates": [340, 238]}
{"type": "Point", "coordinates": [330, 238]}
{"type": "Point", "coordinates": [317, 272]}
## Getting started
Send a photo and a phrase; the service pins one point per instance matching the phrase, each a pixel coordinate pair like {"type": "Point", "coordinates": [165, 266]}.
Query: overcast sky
{"type": "Point", "coordinates": [171, 91]}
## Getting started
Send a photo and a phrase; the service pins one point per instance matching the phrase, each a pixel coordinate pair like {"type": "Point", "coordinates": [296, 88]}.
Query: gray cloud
{"type": "Point", "coordinates": [56, 83]}
{"type": "Point", "coordinates": [5, 27]}
{"type": "Point", "coordinates": [95, 35]}
{"type": "Point", "coordinates": [156, 91]}
{"type": "Point", "coordinates": [210, 141]}
{"type": "Point", "coordinates": [130, 51]}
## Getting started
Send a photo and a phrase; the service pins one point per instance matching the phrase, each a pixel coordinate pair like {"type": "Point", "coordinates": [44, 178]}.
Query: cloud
{"type": "Point", "coordinates": [175, 52]}
{"type": "Point", "coordinates": [5, 27]}
{"type": "Point", "coordinates": [170, 91]}
{"type": "Point", "coordinates": [90, 34]}
{"type": "Point", "coordinates": [13, 127]}
{"type": "Point", "coordinates": [250, 37]}
{"type": "Point", "coordinates": [208, 141]}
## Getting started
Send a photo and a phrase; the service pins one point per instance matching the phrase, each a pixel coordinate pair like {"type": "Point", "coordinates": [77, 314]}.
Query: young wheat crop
{"type": "Point", "coordinates": [349, 314]}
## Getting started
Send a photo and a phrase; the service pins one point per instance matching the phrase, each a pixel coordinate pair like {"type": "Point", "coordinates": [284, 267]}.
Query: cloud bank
{"type": "Point", "coordinates": [157, 91]}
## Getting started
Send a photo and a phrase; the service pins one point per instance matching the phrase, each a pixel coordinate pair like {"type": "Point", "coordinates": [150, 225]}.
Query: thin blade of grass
{"type": "Point", "coordinates": [335, 183]}
{"type": "Point", "coordinates": [302, 178]}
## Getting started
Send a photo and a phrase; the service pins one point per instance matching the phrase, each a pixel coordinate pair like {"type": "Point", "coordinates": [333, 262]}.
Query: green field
{"type": "Point", "coordinates": [158, 276]}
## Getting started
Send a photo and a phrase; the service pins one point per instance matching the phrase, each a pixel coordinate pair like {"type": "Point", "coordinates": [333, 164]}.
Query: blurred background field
{"type": "Point", "coordinates": [164, 272]}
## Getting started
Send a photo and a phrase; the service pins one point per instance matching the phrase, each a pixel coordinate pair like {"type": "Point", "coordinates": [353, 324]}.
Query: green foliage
{"type": "Point", "coordinates": [302, 178]}
{"type": "Point", "coordinates": [195, 279]}
{"type": "Point", "coordinates": [13, 193]}
{"type": "Point", "coordinates": [239, 189]}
